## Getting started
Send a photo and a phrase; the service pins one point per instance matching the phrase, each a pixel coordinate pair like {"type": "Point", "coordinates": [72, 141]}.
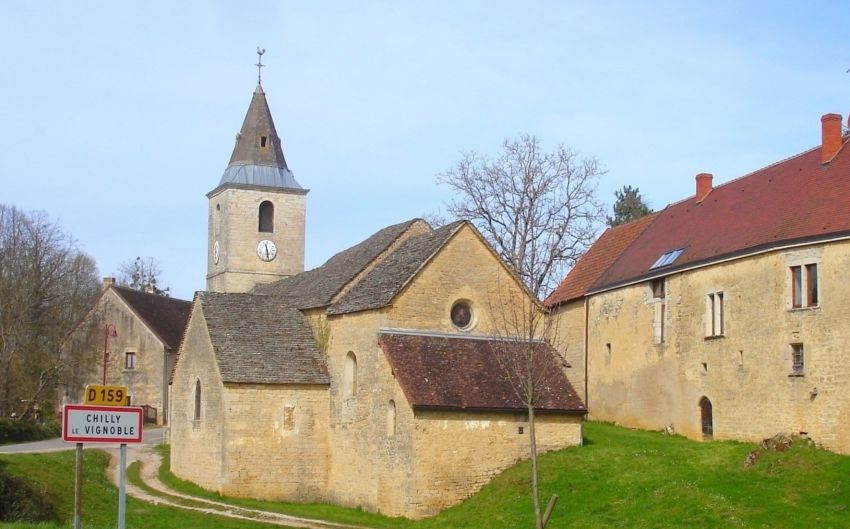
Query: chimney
{"type": "Point", "coordinates": [703, 186]}
{"type": "Point", "coordinates": [108, 282]}
{"type": "Point", "coordinates": [831, 139]}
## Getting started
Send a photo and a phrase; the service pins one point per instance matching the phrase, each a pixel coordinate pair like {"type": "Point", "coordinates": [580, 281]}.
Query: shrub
{"type": "Point", "coordinates": [22, 431]}
{"type": "Point", "coordinates": [20, 503]}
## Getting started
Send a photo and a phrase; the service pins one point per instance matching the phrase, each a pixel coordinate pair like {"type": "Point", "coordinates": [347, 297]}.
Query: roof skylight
{"type": "Point", "coordinates": [667, 258]}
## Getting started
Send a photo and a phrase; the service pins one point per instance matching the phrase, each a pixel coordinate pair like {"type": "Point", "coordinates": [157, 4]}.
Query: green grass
{"type": "Point", "coordinates": [54, 472]}
{"type": "Point", "coordinates": [621, 478]}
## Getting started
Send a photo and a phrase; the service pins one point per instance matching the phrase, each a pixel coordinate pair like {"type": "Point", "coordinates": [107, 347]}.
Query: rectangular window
{"type": "Point", "coordinates": [129, 360]}
{"type": "Point", "coordinates": [658, 289]}
{"type": "Point", "coordinates": [289, 417]}
{"type": "Point", "coordinates": [804, 286]}
{"type": "Point", "coordinates": [797, 360]}
{"type": "Point", "coordinates": [715, 326]}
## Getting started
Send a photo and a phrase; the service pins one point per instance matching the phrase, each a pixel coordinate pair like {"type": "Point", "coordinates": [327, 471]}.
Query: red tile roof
{"type": "Point", "coordinates": [462, 373]}
{"type": "Point", "coordinates": [795, 200]}
{"type": "Point", "coordinates": [598, 258]}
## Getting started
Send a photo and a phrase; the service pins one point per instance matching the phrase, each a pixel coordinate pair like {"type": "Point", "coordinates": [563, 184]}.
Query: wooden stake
{"type": "Point", "coordinates": [549, 509]}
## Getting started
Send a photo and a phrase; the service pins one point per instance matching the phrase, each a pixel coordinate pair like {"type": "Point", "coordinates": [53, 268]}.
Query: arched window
{"type": "Point", "coordinates": [706, 417]}
{"type": "Point", "coordinates": [197, 415]}
{"type": "Point", "coordinates": [349, 375]}
{"type": "Point", "coordinates": [391, 419]}
{"type": "Point", "coordinates": [266, 217]}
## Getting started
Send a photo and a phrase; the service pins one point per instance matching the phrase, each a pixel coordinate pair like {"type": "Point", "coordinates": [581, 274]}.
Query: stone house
{"type": "Point", "coordinates": [371, 381]}
{"type": "Point", "coordinates": [724, 315]}
{"type": "Point", "coordinates": [140, 333]}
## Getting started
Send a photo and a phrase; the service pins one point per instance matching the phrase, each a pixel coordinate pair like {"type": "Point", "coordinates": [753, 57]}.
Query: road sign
{"type": "Point", "coordinates": [107, 395]}
{"type": "Point", "coordinates": [101, 424]}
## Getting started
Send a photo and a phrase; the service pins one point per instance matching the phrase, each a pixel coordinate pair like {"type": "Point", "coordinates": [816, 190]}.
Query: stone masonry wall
{"type": "Point", "coordinates": [459, 452]}
{"type": "Point", "coordinates": [276, 442]}
{"type": "Point", "coordinates": [746, 372]}
{"type": "Point", "coordinates": [197, 445]}
{"type": "Point", "coordinates": [569, 341]}
{"type": "Point", "coordinates": [233, 222]}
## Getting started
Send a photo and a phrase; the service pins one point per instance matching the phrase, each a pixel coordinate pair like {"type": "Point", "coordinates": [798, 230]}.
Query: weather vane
{"type": "Point", "coordinates": [260, 64]}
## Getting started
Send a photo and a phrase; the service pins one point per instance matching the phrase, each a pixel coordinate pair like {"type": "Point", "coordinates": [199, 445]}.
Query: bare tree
{"type": "Point", "coordinates": [540, 212]}
{"type": "Point", "coordinates": [46, 285]}
{"type": "Point", "coordinates": [142, 274]}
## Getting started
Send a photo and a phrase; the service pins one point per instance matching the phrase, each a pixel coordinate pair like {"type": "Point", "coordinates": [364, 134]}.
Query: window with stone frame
{"type": "Point", "coordinates": [130, 360]}
{"type": "Point", "coordinates": [804, 286]}
{"type": "Point", "coordinates": [289, 417]}
{"type": "Point", "coordinates": [798, 360]}
{"type": "Point", "coordinates": [715, 324]}
{"type": "Point", "coordinates": [658, 289]}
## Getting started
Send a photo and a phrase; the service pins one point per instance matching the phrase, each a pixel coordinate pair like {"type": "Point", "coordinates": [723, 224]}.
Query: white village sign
{"type": "Point", "coordinates": [101, 424]}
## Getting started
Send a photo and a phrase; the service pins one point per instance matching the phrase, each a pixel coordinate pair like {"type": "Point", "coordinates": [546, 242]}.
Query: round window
{"type": "Point", "coordinates": [461, 314]}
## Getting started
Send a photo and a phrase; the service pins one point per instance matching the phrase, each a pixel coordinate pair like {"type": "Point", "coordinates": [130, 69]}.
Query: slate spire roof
{"type": "Point", "coordinates": [257, 157]}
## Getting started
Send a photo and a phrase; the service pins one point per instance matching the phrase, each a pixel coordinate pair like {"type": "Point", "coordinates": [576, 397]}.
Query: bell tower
{"type": "Point", "coordinates": [257, 211]}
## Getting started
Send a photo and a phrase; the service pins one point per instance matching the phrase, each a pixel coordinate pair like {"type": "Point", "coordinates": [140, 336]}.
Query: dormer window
{"type": "Point", "coordinates": [667, 259]}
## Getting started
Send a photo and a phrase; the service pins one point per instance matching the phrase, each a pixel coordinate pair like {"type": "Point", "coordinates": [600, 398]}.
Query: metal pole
{"type": "Point", "coordinates": [122, 498]}
{"type": "Point", "coordinates": [78, 487]}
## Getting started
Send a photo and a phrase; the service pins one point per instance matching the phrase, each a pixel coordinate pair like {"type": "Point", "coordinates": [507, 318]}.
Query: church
{"type": "Point", "coordinates": [375, 380]}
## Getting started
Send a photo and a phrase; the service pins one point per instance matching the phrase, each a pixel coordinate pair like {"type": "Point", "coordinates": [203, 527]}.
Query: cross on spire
{"type": "Point", "coordinates": [260, 65]}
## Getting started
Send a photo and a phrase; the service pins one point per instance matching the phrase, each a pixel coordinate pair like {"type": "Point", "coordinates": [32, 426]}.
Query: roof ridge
{"type": "Point", "coordinates": [751, 173]}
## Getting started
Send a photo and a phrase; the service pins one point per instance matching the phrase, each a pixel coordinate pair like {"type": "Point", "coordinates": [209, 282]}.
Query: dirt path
{"type": "Point", "coordinates": [150, 462]}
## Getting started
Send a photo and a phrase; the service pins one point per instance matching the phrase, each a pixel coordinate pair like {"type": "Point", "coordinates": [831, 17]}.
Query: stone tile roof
{"type": "Point", "coordinates": [462, 373]}
{"type": "Point", "coordinates": [596, 261]}
{"type": "Point", "coordinates": [261, 340]}
{"type": "Point", "coordinates": [317, 287]}
{"type": "Point", "coordinates": [166, 317]}
{"type": "Point", "coordinates": [795, 200]}
{"type": "Point", "coordinates": [387, 279]}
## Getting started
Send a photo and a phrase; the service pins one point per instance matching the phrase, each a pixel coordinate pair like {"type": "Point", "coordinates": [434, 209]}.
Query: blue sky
{"type": "Point", "coordinates": [118, 117]}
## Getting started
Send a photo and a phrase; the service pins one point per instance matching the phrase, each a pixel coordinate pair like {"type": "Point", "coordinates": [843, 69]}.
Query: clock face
{"type": "Point", "coordinates": [266, 250]}
{"type": "Point", "coordinates": [216, 252]}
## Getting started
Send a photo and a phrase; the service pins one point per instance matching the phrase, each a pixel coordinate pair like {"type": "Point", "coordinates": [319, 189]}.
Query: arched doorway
{"type": "Point", "coordinates": [706, 417]}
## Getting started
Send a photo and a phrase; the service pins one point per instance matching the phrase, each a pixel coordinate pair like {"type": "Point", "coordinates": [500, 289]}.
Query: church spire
{"type": "Point", "coordinates": [257, 157]}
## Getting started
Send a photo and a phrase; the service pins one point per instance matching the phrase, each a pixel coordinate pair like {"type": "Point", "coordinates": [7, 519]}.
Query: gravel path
{"type": "Point", "coordinates": [150, 462]}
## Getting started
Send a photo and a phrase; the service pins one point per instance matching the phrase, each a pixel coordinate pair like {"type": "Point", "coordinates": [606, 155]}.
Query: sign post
{"type": "Point", "coordinates": [101, 424]}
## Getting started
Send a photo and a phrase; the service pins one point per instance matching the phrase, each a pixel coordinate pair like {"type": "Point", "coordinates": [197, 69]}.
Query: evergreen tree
{"type": "Point", "coordinates": [628, 207]}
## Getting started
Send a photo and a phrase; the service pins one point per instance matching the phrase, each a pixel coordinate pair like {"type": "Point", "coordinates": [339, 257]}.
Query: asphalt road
{"type": "Point", "coordinates": [150, 436]}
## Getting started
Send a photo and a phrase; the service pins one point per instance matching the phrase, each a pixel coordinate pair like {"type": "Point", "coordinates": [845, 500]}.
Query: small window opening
{"type": "Point", "coordinates": [659, 290]}
{"type": "Point", "coordinates": [263, 141]}
{"type": "Point", "coordinates": [130, 360]}
{"type": "Point", "coordinates": [804, 286]}
{"type": "Point", "coordinates": [266, 217]}
{"type": "Point", "coordinates": [289, 417]}
{"type": "Point", "coordinates": [520, 430]}
{"type": "Point", "coordinates": [461, 315]}
{"type": "Point", "coordinates": [197, 414]}
{"type": "Point", "coordinates": [797, 360]}
{"type": "Point", "coordinates": [391, 412]}
{"type": "Point", "coordinates": [608, 350]}
{"type": "Point", "coordinates": [349, 375]}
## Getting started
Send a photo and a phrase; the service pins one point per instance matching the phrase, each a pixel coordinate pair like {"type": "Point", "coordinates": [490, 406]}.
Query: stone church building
{"type": "Point", "coordinates": [372, 381]}
{"type": "Point", "coordinates": [724, 315]}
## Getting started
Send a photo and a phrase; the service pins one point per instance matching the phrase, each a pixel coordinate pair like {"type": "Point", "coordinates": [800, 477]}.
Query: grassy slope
{"type": "Point", "coordinates": [55, 473]}
{"type": "Point", "coordinates": [621, 478]}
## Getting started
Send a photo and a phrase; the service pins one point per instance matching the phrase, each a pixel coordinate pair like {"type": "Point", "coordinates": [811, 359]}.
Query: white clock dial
{"type": "Point", "coordinates": [216, 252]}
{"type": "Point", "coordinates": [266, 250]}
